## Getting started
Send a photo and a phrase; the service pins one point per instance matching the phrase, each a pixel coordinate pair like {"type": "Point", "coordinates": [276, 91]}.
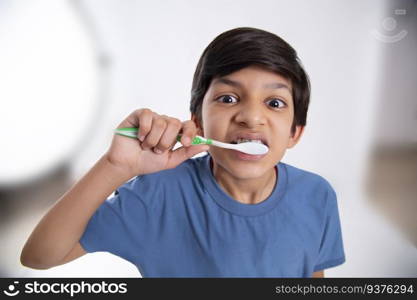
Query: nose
{"type": "Point", "coordinates": [251, 114]}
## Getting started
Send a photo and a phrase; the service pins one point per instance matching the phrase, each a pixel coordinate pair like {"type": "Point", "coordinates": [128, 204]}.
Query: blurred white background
{"type": "Point", "coordinates": [71, 71]}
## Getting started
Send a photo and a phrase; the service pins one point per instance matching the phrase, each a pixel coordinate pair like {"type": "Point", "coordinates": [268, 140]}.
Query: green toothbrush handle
{"type": "Point", "coordinates": [133, 132]}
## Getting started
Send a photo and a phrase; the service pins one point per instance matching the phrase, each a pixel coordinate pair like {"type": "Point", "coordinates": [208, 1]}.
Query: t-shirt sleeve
{"type": "Point", "coordinates": [119, 224]}
{"type": "Point", "coordinates": [331, 251]}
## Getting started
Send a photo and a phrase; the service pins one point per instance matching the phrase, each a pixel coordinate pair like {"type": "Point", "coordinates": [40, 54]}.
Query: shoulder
{"type": "Point", "coordinates": [297, 176]}
{"type": "Point", "coordinates": [308, 185]}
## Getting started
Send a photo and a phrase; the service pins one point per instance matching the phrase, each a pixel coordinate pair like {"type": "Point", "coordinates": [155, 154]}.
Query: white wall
{"type": "Point", "coordinates": [154, 47]}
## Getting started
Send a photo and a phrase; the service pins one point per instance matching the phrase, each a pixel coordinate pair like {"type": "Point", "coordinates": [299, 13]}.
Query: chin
{"type": "Point", "coordinates": [243, 169]}
{"type": "Point", "coordinates": [248, 171]}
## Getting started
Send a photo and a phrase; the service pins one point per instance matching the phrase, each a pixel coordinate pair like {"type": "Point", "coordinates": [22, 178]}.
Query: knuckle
{"type": "Point", "coordinates": [190, 124]}
{"type": "Point", "coordinates": [150, 141]}
{"type": "Point", "coordinates": [189, 129]}
{"type": "Point", "coordinates": [159, 123]}
{"type": "Point", "coordinates": [143, 131]}
{"type": "Point", "coordinates": [163, 145]}
{"type": "Point", "coordinates": [188, 132]}
{"type": "Point", "coordinates": [176, 123]}
{"type": "Point", "coordinates": [145, 111]}
{"type": "Point", "coordinates": [138, 112]}
{"type": "Point", "coordinates": [144, 128]}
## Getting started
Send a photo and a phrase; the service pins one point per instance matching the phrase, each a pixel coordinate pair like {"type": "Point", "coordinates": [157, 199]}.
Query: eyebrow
{"type": "Point", "coordinates": [273, 85]}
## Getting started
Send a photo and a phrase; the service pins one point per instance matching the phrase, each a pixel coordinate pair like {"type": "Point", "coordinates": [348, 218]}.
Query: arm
{"type": "Point", "coordinates": [54, 241]}
{"type": "Point", "coordinates": [318, 274]}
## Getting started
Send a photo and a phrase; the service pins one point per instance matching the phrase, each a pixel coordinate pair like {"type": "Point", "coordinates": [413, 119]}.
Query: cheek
{"type": "Point", "coordinates": [282, 127]}
{"type": "Point", "coordinates": [215, 122]}
{"type": "Point", "coordinates": [216, 129]}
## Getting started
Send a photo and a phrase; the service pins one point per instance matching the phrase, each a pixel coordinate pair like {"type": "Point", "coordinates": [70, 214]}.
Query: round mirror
{"type": "Point", "coordinates": [48, 90]}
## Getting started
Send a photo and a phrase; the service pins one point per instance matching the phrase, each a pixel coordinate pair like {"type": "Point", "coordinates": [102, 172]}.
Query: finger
{"type": "Point", "coordinates": [189, 131]}
{"type": "Point", "coordinates": [183, 153]}
{"type": "Point", "coordinates": [152, 138]}
{"type": "Point", "coordinates": [132, 120]}
{"type": "Point", "coordinates": [169, 137]}
{"type": "Point", "coordinates": [145, 119]}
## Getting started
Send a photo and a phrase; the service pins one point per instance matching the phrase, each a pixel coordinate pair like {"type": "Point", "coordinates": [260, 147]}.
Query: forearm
{"type": "Point", "coordinates": [62, 227]}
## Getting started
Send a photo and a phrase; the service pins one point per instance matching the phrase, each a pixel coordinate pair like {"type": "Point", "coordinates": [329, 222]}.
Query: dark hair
{"type": "Point", "coordinates": [242, 47]}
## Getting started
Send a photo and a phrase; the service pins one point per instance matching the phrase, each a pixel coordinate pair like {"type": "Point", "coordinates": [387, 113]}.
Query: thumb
{"type": "Point", "coordinates": [183, 153]}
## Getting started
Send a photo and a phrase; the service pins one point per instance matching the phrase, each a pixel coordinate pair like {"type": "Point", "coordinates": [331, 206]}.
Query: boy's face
{"type": "Point", "coordinates": [254, 103]}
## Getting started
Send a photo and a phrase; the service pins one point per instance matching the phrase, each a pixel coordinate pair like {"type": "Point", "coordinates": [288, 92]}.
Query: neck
{"type": "Point", "coordinates": [248, 191]}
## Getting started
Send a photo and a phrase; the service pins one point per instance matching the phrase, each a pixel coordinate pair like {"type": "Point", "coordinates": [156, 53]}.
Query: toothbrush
{"type": "Point", "coordinates": [246, 147]}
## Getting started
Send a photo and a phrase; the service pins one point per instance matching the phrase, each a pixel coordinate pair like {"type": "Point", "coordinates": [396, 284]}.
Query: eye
{"type": "Point", "coordinates": [276, 103]}
{"type": "Point", "coordinates": [227, 99]}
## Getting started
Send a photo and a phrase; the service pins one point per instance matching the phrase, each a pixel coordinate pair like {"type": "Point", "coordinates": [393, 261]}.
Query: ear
{"type": "Point", "coordinates": [200, 130]}
{"type": "Point", "coordinates": [294, 139]}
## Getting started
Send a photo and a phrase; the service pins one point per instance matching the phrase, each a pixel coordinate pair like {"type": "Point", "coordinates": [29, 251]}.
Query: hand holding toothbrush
{"type": "Point", "coordinates": [152, 150]}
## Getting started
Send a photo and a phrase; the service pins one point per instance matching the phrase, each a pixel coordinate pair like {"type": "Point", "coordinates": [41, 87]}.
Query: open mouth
{"type": "Point", "coordinates": [239, 141]}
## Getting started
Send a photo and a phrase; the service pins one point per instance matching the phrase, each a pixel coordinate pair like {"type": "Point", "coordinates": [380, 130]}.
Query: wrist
{"type": "Point", "coordinates": [114, 172]}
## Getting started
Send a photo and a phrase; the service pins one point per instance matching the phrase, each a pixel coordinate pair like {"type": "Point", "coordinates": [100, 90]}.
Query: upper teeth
{"type": "Point", "coordinates": [246, 140]}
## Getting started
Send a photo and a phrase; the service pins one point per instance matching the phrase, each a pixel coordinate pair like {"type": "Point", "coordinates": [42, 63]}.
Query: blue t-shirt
{"type": "Point", "coordinates": [181, 223]}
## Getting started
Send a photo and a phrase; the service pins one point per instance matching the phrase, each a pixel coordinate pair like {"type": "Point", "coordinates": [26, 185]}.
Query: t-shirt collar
{"type": "Point", "coordinates": [236, 207]}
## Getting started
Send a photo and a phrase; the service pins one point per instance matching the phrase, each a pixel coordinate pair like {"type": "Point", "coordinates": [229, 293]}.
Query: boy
{"type": "Point", "coordinates": [226, 214]}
